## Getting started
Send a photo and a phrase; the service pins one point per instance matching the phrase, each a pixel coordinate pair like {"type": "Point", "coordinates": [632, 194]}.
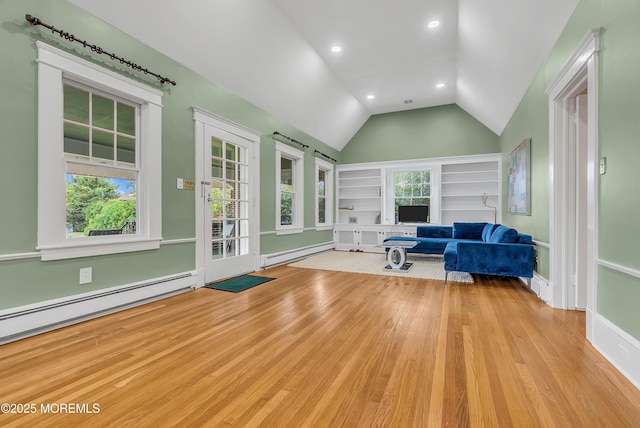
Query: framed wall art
{"type": "Point", "coordinates": [519, 179]}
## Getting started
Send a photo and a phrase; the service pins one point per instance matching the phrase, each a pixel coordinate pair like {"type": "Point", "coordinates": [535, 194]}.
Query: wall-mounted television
{"type": "Point", "coordinates": [413, 213]}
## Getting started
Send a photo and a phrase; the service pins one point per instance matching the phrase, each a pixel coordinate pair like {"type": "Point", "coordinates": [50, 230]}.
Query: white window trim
{"type": "Point", "coordinates": [54, 65]}
{"type": "Point", "coordinates": [434, 199]}
{"type": "Point", "coordinates": [328, 192]}
{"type": "Point", "coordinates": [297, 156]}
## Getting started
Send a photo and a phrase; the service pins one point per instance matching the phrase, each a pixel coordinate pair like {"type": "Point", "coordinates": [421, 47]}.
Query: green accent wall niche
{"type": "Point", "coordinates": [421, 133]}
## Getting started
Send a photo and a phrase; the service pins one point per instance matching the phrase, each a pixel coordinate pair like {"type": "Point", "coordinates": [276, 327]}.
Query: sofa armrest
{"type": "Point", "coordinates": [489, 258]}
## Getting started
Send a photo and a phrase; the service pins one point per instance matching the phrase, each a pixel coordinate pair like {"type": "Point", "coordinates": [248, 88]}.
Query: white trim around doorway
{"type": "Point", "coordinates": [580, 68]}
{"type": "Point", "coordinates": [201, 119]}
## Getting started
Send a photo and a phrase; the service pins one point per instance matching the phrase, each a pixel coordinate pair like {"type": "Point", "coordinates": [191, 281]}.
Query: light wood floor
{"type": "Point", "coordinates": [325, 349]}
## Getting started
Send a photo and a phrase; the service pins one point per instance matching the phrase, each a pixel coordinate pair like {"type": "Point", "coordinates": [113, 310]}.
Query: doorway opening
{"type": "Point", "coordinates": [573, 154]}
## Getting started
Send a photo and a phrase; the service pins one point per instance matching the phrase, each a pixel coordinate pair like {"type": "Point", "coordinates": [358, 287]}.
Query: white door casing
{"type": "Point", "coordinates": [581, 68]}
{"type": "Point", "coordinates": [236, 241]}
{"type": "Point", "coordinates": [581, 209]}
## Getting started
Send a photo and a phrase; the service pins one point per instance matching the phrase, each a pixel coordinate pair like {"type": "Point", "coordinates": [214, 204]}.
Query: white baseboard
{"type": "Point", "coordinates": [273, 259]}
{"type": "Point", "coordinates": [541, 286]}
{"type": "Point", "coordinates": [538, 285]}
{"type": "Point", "coordinates": [619, 347]}
{"type": "Point", "coordinates": [29, 320]}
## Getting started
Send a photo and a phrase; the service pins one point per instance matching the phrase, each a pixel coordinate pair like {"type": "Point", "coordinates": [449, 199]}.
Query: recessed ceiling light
{"type": "Point", "coordinates": [336, 49]}
{"type": "Point", "coordinates": [370, 97]}
{"type": "Point", "coordinates": [440, 85]}
{"type": "Point", "coordinates": [434, 24]}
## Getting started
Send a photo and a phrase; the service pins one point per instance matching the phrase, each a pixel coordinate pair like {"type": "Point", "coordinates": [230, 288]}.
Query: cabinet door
{"type": "Point", "coordinates": [346, 237]}
{"type": "Point", "coordinates": [368, 238]}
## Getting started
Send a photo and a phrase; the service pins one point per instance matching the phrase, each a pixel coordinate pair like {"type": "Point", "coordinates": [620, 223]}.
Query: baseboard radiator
{"type": "Point", "coordinates": [273, 259]}
{"type": "Point", "coordinates": [29, 320]}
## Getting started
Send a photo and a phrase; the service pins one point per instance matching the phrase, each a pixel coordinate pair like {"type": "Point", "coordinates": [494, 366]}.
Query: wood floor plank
{"type": "Point", "coordinates": [325, 349]}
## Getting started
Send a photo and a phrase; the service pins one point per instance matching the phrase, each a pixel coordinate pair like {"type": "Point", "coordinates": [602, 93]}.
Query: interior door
{"type": "Point", "coordinates": [229, 205]}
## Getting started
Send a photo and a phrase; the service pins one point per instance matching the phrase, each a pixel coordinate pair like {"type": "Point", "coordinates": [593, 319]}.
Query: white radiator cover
{"type": "Point", "coordinates": [24, 321]}
{"type": "Point", "coordinates": [273, 259]}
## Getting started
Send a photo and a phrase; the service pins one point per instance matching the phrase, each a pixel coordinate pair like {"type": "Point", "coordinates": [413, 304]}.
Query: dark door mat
{"type": "Point", "coordinates": [239, 283]}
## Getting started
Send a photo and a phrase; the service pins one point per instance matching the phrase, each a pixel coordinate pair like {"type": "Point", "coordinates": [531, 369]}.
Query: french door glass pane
{"type": "Point", "coordinates": [230, 152]}
{"type": "Point", "coordinates": [243, 228]}
{"type": "Point", "coordinates": [216, 168]}
{"type": "Point", "coordinates": [217, 249]}
{"type": "Point", "coordinates": [229, 198]}
{"type": "Point", "coordinates": [231, 171]}
{"type": "Point", "coordinates": [231, 209]}
{"type": "Point", "coordinates": [216, 148]}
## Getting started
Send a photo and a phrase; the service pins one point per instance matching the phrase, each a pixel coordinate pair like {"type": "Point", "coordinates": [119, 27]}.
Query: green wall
{"type": "Point", "coordinates": [422, 133]}
{"type": "Point", "coordinates": [619, 128]}
{"type": "Point", "coordinates": [270, 243]}
{"type": "Point", "coordinates": [31, 280]}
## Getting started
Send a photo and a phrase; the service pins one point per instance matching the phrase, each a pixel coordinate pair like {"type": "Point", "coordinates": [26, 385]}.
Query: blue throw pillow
{"type": "Point", "coordinates": [504, 235]}
{"type": "Point", "coordinates": [488, 231]}
{"type": "Point", "coordinates": [468, 230]}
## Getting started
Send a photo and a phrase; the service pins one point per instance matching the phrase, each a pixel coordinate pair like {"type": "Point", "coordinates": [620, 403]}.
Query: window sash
{"type": "Point", "coordinates": [323, 202]}
{"type": "Point", "coordinates": [55, 67]}
{"type": "Point", "coordinates": [289, 222]}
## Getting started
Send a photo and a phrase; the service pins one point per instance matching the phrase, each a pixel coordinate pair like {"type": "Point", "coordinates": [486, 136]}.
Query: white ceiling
{"type": "Point", "coordinates": [277, 53]}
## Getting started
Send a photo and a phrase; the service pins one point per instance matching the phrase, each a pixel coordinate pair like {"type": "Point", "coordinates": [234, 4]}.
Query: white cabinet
{"type": "Point", "coordinates": [367, 238]}
{"type": "Point", "coordinates": [462, 188]}
{"type": "Point", "coordinates": [359, 195]}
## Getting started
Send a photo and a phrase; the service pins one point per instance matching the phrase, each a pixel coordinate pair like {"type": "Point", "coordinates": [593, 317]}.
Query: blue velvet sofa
{"type": "Point", "coordinates": [482, 248]}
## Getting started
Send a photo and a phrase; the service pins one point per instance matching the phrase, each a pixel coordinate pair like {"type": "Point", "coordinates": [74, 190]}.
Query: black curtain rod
{"type": "Point", "coordinates": [326, 156]}
{"type": "Point", "coordinates": [290, 139]}
{"type": "Point", "coordinates": [36, 21]}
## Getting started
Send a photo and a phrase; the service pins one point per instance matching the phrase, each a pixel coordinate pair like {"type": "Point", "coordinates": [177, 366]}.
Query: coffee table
{"type": "Point", "coordinates": [397, 255]}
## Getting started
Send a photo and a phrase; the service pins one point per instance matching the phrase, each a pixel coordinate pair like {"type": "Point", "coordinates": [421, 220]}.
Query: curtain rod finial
{"type": "Point", "coordinates": [32, 19]}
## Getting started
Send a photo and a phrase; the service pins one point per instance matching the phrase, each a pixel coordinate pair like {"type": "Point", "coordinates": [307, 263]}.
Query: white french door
{"type": "Point", "coordinates": [228, 238]}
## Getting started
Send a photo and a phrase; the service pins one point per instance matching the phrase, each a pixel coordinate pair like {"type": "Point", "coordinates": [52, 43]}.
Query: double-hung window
{"type": "Point", "coordinates": [289, 189]}
{"type": "Point", "coordinates": [102, 167]}
{"type": "Point", "coordinates": [99, 162]}
{"type": "Point", "coordinates": [324, 194]}
{"type": "Point", "coordinates": [411, 188]}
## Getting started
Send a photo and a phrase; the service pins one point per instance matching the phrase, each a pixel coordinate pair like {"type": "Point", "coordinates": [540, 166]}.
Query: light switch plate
{"type": "Point", "coordinates": [180, 184]}
{"type": "Point", "coordinates": [603, 165]}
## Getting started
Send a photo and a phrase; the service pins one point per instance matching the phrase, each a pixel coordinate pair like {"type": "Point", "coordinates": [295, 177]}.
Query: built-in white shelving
{"type": "Point", "coordinates": [462, 188]}
{"type": "Point", "coordinates": [359, 196]}
{"type": "Point", "coordinates": [458, 184]}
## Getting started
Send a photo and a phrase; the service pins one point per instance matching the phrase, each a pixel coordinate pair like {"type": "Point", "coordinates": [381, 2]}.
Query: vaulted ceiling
{"type": "Point", "coordinates": [278, 54]}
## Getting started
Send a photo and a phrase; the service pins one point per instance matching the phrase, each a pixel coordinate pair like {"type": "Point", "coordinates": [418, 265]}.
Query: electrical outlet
{"type": "Point", "coordinates": [624, 353]}
{"type": "Point", "coordinates": [86, 275]}
{"type": "Point", "coordinates": [180, 184]}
